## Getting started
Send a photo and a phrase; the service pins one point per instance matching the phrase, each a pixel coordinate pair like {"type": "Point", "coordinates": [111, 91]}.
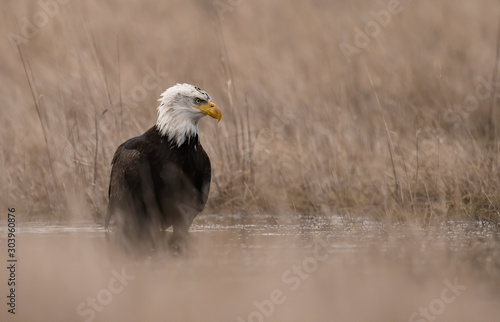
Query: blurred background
{"type": "Point", "coordinates": [384, 111]}
{"type": "Point", "coordinates": [377, 108]}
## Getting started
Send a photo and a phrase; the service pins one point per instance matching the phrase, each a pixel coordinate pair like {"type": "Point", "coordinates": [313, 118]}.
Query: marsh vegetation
{"type": "Point", "coordinates": [366, 126]}
{"type": "Point", "coordinates": [405, 129]}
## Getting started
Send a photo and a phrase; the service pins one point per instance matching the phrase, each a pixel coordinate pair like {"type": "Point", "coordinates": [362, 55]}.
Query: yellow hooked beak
{"type": "Point", "coordinates": [211, 109]}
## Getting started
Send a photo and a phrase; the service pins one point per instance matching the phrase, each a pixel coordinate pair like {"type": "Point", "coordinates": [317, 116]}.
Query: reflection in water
{"type": "Point", "coordinates": [259, 269]}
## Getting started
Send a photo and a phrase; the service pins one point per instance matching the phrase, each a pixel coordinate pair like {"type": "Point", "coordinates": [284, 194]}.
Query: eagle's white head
{"type": "Point", "coordinates": [181, 107]}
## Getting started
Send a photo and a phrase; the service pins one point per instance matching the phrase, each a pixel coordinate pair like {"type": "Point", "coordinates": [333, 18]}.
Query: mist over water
{"type": "Point", "coordinates": [296, 268]}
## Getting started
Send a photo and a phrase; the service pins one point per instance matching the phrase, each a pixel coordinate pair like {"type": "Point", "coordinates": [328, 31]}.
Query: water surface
{"type": "Point", "coordinates": [263, 268]}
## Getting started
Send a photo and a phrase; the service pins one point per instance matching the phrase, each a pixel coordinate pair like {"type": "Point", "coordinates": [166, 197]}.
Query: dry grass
{"type": "Point", "coordinates": [302, 129]}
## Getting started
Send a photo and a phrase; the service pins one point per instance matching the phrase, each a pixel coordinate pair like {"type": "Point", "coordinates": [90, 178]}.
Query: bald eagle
{"type": "Point", "coordinates": [161, 179]}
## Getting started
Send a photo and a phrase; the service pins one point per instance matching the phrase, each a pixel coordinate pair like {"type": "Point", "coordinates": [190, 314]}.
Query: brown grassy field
{"type": "Point", "coordinates": [358, 142]}
{"type": "Point", "coordinates": [404, 126]}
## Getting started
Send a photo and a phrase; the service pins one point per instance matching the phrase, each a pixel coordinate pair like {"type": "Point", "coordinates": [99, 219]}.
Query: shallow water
{"type": "Point", "coordinates": [262, 268]}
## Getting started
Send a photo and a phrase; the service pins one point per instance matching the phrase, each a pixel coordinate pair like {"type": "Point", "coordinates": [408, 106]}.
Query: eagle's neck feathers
{"type": "Point", "coordinates": [177, 124]}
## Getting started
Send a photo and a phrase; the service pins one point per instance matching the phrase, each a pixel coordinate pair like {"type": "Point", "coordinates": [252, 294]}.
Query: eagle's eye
{"type": "Point", "coordinates": [197, 101]}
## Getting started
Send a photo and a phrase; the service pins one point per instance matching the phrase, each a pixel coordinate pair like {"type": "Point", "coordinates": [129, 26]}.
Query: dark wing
{"type": "Point", "coordinates": [132, 200]}
{"type": "Point", "coordinates": [204, 185]}
{"type": "Point", "coordinates": [185, 177]}
{"type": "Point", "coordinates": [201, 180]}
